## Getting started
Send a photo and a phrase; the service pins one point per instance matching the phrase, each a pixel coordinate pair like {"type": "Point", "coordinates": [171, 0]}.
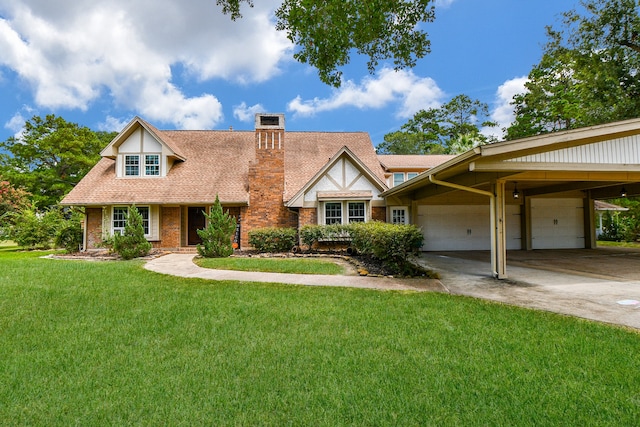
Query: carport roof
{"type": "Point", "coordinates": [601, 158]}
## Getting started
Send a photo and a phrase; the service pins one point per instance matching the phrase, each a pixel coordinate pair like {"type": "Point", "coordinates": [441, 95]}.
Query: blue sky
{"type": "Point", "coordinates": [183, 65]}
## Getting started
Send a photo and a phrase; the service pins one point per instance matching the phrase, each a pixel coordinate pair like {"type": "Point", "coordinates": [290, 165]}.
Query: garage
{"type": "Point", "coordinates": [535, 193]}
{"type": "Point", "coordinates": [464, 228]}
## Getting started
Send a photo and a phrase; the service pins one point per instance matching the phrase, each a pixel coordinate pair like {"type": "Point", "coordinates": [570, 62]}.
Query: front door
{"type": "Point", "coordinates": [196, 221]}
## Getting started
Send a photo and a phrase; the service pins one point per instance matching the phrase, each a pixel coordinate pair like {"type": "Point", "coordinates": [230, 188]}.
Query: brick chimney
{"type": "Point", "coordinates": [266, 178]}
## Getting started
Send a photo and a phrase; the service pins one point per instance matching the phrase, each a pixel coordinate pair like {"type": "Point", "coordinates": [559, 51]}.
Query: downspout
{"type": "Point", "coordinates": [492, 205]}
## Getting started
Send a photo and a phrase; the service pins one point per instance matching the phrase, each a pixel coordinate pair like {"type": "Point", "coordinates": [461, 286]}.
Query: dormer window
{"type": "Point", "coordinates": [132, 165]}
{"type": "Point", "coordinates": [133, 168]}
{"type": "Point", "coordinates": [152, 165]}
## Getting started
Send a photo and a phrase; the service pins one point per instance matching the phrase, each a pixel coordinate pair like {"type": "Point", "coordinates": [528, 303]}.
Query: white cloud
{"type": "Point", "coordinates": [16, 125]}
{"type": "Point", "coordinates": [503, 112]}
{"type": "Point", "coordinates": [410, 92]}
{"type": "Point", "coordinates": [247, 114]}
{"type": "Point", "coordinates": [113, 124]}
{"type": "Point", "coordinates": [443, 3]}
{"type": "Point", "coordinates": [72, 54]}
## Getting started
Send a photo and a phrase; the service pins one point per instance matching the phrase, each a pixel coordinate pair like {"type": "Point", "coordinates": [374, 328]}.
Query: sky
{"type": "Point", "coordinates": [185, 65]}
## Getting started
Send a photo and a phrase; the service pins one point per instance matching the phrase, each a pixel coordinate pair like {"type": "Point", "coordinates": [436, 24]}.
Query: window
{"type": "Point", "coordinates": [120, 219]}
{"type": "Point", "coordinates": [398, 178]}
{"type": "Point", "coordinates": [356, 212]}
{"type": "Point", "coordinates": [333, 213]}
{"type": "Point", "coordinates": [399, 215]}
{"type": "Point", "coordinates": [131, 165]}
{"type": "Point", "coordinates": [411, 175]}
{"type": "Point", "coordinates": [152, 165]}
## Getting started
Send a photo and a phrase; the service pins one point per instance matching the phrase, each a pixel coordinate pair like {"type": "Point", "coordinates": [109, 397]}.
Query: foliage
{"type": "Point", "coordinates": [587, 74]}
{"type": "Point", "coordinates": [392, 244]}
{"type": "Point", "coordinates": [450, 129]}
{"type": "Point", "coordinates": [12, 199]}
{"type": "Point", "coordinates": [273, 239]}
{"type": "Point", "coordinates": [216, 236]}
{"type": "Point", "coordinates": [622, 226]}
{"type": "Point", "coordinates": [69, 234]}
{"type": "Point", "coordinates": [327, 33]}
{"type": "Point", "coordinates": [50, 157]}
{"type": "Point", "coordinates": [32, 229]}
{"type": "Point", "coordinates": [132, 243]}
{"type": "Point", "coordinates": [312, 234]}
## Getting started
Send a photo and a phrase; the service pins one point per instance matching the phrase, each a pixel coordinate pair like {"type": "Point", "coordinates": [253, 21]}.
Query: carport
{"type": "Point", "coordinates": [532, 193]}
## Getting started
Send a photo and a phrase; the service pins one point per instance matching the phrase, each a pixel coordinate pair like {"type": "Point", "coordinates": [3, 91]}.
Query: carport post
{"type": "Point", "coordinates": [498, 257]}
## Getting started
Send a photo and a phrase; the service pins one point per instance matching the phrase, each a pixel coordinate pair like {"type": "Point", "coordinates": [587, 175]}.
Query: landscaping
{"type": "Point", "coordinates": [95, 343]}
{"type": "Point", "coordinates": [274, 265]}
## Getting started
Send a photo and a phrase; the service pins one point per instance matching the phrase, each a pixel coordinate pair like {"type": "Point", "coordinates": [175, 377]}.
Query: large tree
{"type": "Point", "coordinates": [450, 129]}
{"type": "Point", "coordinates": [588, 73]}
{"type": "Point", "coordinates": [50, 157]}
{"type": "Point", "coordinates": [327, 32]}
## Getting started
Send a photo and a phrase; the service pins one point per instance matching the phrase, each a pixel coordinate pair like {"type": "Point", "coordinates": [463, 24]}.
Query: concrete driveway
{"type": "Point", "coordinates": [600, 284]}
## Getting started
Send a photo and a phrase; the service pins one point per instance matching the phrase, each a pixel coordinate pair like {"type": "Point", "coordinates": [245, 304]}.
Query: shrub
{"type": "Point", "coordinates": [132, 243]}
{"type": "Point", "coordinates": [216, 236]}
{"type": "Point", "coordinates": [32, 229]}
{"type": "Point", "coordinates": [69, 235]}
{"type": "Point", "coordinates": [392, 244]}
{"type": "Point", "coordinates": [312, 234]}
{"type": "Point", "coordinates": [273, 239]}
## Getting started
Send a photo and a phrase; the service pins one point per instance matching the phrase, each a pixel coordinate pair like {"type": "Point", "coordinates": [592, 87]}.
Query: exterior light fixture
{"type": "Point", "coordinates": [516, 193]}
{"type": "Point", "coordinates": [623, 192]}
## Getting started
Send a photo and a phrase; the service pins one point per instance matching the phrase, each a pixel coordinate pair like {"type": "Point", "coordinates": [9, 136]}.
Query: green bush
{"type": "Point", "coordinates": [69, 235]}
{"type": "Point", "coordinates": [132, 243]}
{"type": "Point", "coordinates": [273, 239]}
{"type": "Point", "coordinates": [312, 234]}
{"type": "Point", "coordinates": [32, 229]}
{"type": "Point", "coordinates": [392, 244]}
{"type": "Point", "coordinates": [216, 236]}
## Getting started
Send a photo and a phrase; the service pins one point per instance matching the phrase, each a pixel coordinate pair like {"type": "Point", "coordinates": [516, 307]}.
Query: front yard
{"type": "Point", "coordinates": [109, 343]}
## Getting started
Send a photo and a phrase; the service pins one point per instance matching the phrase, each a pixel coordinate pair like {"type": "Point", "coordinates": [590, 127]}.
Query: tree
{"type": "Point", "coordinates": [132, 243]}
{"type": "Point", "coordinates": [216, 236]}
{"type": "Point", "coordinates": [50, 157]}
{"type": "Point", "coordinates": [452, 128]}
{"type": "Point", "coordinates": [588, 73]}
{"type": "Point", "coordinates": [327, 32]}
{"type": "Point", "coordinates": [12, 199]}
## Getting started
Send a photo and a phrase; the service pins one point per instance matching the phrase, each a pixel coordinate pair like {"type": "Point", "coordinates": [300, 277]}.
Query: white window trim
{"type": "Point", "coordinates": [403, 208]}
{"type": "Point", "coordinates": [142, 165]}
{"type": "Point", "coordinates": [120, 230]}
{"type": "Point", "coordinates": [344, 210]}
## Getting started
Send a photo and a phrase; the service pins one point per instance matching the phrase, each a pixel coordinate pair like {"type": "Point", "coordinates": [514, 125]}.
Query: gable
{"type": "Point", "coordinates": [625, 150]}
{"type": "Point", "coordinates": [344, 177]}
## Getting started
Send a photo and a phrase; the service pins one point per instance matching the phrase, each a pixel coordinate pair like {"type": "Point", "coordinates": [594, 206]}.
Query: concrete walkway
{"type": "Point", "coordinates": [182, 265]}
{"type": "Point", "coordinates": [607, 299]}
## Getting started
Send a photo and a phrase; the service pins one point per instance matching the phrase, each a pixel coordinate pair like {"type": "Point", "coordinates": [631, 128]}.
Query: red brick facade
{"type": "Point", "coordinates": [379, 213]}
{"type": "Point", "coordinates": [266, 186]}
{"type": "Point", "coordinates": [170, 226]}
{"type": "Point", "coordinates": [93, 227]}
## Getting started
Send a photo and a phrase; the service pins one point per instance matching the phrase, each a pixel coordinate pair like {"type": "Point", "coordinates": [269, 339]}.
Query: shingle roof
{"type": "Point", "coordinates": [217, 162]}
{"type": "Point", "coordinates": [413, 161]}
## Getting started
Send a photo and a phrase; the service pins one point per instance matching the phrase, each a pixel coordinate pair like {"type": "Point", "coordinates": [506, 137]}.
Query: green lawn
{"type": "Point", "coordinates": [273, 265]}
{"type": "Point", "coordinates": [109, 343]}
{"type": "Point", "coordinates": [619, 244]}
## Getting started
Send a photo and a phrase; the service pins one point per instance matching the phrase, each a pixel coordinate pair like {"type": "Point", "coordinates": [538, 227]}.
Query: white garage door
{"type": "Point", "coordinates": [464, 228]}
{"type": "Point", "coordinates": [557, 224]}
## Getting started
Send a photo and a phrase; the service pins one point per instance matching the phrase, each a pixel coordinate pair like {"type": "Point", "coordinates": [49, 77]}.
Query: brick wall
{"type": "Point", "coordinates": [170, 221]}
{"type": "Point", "coordinates": [307, 216]}
{"type": "Point", "coordinates": [266, 186]}
{"type": "Point", "coordinates": [94, 227]}
{"type": "Point", "coordinates": [379, 213]}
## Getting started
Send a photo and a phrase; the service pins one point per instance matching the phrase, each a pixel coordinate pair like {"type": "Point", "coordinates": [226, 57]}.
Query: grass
{"type": "Point", "coordinates": [109, 343]}
{"type": "Point", "coordinates": [619, 244]}
{"type": "Point", "coordinates": [273, 265]}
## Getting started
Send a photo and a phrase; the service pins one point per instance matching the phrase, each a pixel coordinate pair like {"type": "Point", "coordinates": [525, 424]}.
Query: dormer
{"type": "Point", "coordinates": [141, 151]}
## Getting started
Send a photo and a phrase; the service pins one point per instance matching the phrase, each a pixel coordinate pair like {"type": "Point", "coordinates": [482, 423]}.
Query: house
{"type": "Point", "coordinates": [532, 193]}
{"type": "Point", "coordinates": [266, 177]}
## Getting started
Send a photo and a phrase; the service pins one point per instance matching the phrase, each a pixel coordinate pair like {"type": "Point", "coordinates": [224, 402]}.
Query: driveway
{"type": "Point", "coordinates": [599, 284]}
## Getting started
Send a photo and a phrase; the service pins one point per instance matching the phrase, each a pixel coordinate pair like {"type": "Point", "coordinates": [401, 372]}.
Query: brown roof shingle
{"type": "Point", "coordinates": [217, 163]}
